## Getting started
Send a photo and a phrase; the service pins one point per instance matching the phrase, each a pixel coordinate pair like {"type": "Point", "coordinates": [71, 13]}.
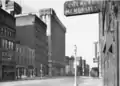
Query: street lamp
{"type": "Point", "coordinates": [97, 55]}
{"type": "Point", "coordinates": [75, 84]}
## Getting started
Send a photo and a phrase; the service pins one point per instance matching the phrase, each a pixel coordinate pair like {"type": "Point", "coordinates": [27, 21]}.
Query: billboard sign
{"type": "Point", "coordinates": [72, 8]}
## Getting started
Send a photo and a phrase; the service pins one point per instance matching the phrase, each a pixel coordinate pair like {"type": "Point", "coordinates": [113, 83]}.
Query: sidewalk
{"type": "Point", "coordinates": [34, 78]}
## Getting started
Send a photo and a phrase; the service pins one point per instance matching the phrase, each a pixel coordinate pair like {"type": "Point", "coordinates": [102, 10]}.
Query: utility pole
{"type": "Point", "coordinates": [75, 83]}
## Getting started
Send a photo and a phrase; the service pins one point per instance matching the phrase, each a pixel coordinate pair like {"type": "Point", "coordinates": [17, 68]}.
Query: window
{"type": "Point", "coordinates": [6, 44]}
{"type": "Point", "coordinates": [20, 50]}
{"type": "Point", "coordinates": [10, 34]}
{"type": "Point", "coordinates": [5, 32]}
{"type": "Point", "coordinates": [12, 45]}
{"type": "Point", "coordinates": [1, 31]}
{"type": "Point", "coordinates": [9, 43]}
{"type": "Point", "coordinates": [3, 43]}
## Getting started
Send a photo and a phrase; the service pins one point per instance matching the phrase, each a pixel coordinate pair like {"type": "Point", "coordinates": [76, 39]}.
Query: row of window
{"type": "Point", "coordinates": [24, 60]}
{"type": "Point", "coordinates": [6, 44]}
{"type": "Point", "coordinates": [7, 32]}
{"type": "Point", "coordinates": [42, 31]}
{"type": "Point", "coordinates": [40, 36]}
{"type": "Point", "coordinates": [25, 51]}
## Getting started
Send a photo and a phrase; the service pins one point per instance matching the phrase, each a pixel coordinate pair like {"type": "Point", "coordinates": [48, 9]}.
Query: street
{"type": "Point", "coordinates": [62, 81]}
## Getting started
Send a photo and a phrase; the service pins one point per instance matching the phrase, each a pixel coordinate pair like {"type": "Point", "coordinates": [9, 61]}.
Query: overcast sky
{"type": "Point", "coordinates": [81, 30]}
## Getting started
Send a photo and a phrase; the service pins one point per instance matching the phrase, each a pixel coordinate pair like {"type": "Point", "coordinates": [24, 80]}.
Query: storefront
{"type": "Point", "coordinates": [8, 70]}
{"type": "Point", "coordinates": [31, 71]}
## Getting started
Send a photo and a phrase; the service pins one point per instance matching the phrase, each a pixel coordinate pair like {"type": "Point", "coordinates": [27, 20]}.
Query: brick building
{"type": "Point", "coordinates": [56, 41]}
{"type": "Point", "coordinates": [7, 46]}
{"type": "Point", "coordinates": [31, 31]}
{"type": "Point", "coordinates": [69, 66]}
{"type": "Point", "coordinates": [25, 61]}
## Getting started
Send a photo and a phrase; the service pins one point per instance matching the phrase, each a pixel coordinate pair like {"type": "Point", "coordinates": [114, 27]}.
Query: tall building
{"type": "Point", "coordinates": [31, 31]}
{"type": "Point", "coordinates": [7, 46]}
{"type": "Point", "coordinates": [56, 41]}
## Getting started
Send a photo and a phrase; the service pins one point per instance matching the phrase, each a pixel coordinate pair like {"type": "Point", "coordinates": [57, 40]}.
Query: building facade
{"type": "Point", "coordinates": [56, 41]}
{"type": "Point", "coordinates": [80, 69]}
{"type": "Point", "coordinates": [31, 31]}
{"type": "Point", "coordinates": [87, 70]}
{"type": "Point", "coordinates": [25, 61]}
{"type": "Point", "coordinates": [7, 46]}
{"type": "Point", "coordinates": [69, 66]}
{"type": "Point", "coordinates": [83, 67]}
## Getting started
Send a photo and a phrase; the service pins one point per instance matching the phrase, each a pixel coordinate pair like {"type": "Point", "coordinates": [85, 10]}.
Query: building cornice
{"type": "Point", "coordinates": [51, 12]}
{"type": "Point", "coordinates": [59, 22]}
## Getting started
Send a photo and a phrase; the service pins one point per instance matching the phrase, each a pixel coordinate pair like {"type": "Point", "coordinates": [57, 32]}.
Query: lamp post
{"type": "Point", "coordinates": [96, 55]}
{"type": "Point", "coordinates": [75, 84]}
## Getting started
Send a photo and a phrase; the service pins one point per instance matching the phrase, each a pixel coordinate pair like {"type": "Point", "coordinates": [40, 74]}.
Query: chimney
{"type": "Point", "coordinates": [3, 4]}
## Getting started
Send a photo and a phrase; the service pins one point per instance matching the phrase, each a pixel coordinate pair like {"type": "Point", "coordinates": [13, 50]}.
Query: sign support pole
{"type": "Point", "coordinates": [75, 84]}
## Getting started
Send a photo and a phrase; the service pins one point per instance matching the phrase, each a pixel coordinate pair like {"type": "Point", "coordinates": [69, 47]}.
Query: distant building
{"type": "Point", "coordinates": [25, 61]}
{"type": "Point", "coordinates": [31, 31]}
{"type": "Point", "coordinates": [83, 66]}
{"type": "Point", "coordinates": [87, 70]}
{"type": "Point", "coordinates": [80, 69]}
{"type": "Point", "coordinates": [69, 68]}
{"type": "Point", "coordinates": [56, 41]}
{"type": "Point", "coordinates": [7, 46]}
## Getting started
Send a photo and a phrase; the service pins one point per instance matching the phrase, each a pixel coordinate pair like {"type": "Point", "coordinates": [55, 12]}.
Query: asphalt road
{"type": "Point", "coordinates": [62, 81]}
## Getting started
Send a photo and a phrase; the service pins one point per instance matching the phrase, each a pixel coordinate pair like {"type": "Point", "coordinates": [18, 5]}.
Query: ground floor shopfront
{"type": "Point", "coordinates": [7, 70]}
{"type": "Point", "coordinates": [41, 71]}
{"type": "Point", "coordinates": [23, 72]}
{"type": "Point", "coordinates": [58, 69]}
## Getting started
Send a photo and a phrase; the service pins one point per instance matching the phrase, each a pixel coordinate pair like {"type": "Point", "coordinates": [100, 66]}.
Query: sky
{"type": "Point", "coordinates": [82, 30]}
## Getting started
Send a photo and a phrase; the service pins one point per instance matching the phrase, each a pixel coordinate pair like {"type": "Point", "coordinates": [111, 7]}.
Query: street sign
{"type": "Point", "coordinates": [72, 8]}
{"type": "Point", "coordinates": [95, 60]}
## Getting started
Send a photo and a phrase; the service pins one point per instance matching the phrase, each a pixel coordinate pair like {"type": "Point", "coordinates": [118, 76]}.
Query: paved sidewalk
{"type": "Point", "coordinates": [35, 78]}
